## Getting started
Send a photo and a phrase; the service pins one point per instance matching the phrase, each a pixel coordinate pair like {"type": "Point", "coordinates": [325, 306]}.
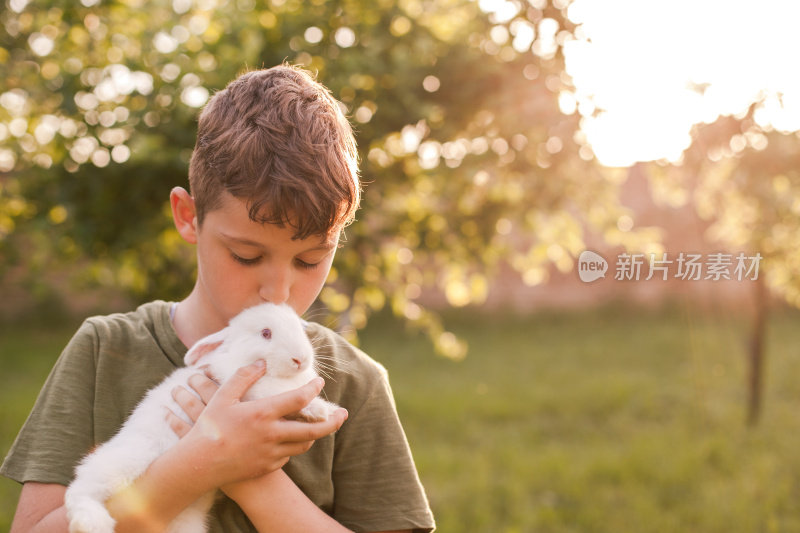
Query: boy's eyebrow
{"type": "Point", "coordinates": [325, 245]}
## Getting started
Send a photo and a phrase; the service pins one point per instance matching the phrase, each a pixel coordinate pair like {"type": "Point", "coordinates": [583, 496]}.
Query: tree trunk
{"type": "Point", "coordinates": [756, 353]}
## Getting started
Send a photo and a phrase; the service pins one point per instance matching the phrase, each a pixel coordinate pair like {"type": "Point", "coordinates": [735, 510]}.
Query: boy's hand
{"type": "Point", "coordinates": [241, 440]}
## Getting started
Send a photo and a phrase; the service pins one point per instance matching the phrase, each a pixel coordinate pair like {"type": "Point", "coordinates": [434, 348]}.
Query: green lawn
{"type": "Point", "coordinates": [605, 421]}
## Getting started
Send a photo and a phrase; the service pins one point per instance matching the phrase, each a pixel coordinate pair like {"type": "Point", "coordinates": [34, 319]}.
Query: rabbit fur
{"type": "Point", "coordinates": [267, 331]}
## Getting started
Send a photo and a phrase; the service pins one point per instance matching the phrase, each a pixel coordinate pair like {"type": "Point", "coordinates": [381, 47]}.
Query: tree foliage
{"type": "Point", "coordinates": [468, 160]}
{"type": "Point", "coordinates": [743, 176]}
{"type": "Point", "coordinates": [748, 178]}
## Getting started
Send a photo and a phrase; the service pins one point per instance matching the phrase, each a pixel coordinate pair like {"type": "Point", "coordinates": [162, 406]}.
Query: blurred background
{"type": "Point", "coordinates": [499, 139]}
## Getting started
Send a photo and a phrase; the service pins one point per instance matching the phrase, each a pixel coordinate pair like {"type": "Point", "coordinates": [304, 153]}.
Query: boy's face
{"type": "Point", "coordinates": [242, 263]}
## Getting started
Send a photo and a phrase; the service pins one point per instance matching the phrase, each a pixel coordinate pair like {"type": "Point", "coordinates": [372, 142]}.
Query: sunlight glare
{"type": "Point", "coordinates": [654, 68]}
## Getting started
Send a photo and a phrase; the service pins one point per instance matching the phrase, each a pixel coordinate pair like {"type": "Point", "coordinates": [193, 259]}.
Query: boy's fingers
{"type": "Point", "coordinates": [292, 401]}
{"type": "Point", "coordinates": [341, 414]}
{"type": "Point", "coordinates": [177, 425]}
{"type": "Point", "coordinates": [299, 432]}
{"type": "Point", "coordinates": [204, 386]}
{"type": "Point", "coordinates": [188, 402]}
{"type": "Point", "coordinates": [233, 389]}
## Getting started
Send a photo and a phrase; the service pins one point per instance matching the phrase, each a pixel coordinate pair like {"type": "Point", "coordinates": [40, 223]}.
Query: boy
{"type": "Point", "coordinates": [273, 181]}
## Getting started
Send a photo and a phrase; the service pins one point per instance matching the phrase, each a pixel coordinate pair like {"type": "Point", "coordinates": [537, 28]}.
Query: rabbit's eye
{"type": "Point", "coordinates": [266, 333]}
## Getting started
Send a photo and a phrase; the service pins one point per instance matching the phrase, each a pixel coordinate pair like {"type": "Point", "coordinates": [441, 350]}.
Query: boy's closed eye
{"type": "Point", "coordinates": [246, 260]}
{"type": "Point", "coordinates": [306, 265]}
{"type": "Point", "coordinates": [251, 261]}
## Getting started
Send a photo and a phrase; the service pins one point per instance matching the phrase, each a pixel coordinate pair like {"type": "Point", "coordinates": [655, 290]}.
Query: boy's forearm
{"type": "Point", "coordinates": [274, 503]}
{"type": "Point", "coordinates": [170, 484]}
{"type": "Point", "coordinates": [54, 522]}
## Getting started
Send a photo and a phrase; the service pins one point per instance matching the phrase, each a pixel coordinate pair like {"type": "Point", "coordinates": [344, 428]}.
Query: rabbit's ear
{"type": "Point", "coordinates": [204, 346]}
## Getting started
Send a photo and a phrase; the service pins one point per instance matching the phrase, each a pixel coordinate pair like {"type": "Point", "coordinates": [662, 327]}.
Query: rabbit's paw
{"type": "Point", "coordinates": [91, 517]}
{"type": "Point", "coordinates": [317, 411]}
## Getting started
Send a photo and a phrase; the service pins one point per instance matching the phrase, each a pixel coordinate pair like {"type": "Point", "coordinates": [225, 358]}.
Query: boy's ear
{"type": "Point", "coordinates": [184, 214]}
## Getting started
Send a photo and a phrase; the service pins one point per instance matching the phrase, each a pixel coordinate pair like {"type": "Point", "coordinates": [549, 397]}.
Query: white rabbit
{"type": "Point", "coordinates": [267, 331]}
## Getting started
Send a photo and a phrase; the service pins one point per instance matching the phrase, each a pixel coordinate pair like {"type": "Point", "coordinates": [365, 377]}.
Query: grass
{"type": "Point", "coordinates": [604, 421]}
{"type": "Point", "coordinates": [27, 352]}
{"type": "Point", "coordinates": [600, 422]}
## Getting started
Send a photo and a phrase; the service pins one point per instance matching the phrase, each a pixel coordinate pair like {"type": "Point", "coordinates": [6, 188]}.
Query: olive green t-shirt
{"type": "Point", "coordinates": [363, 475]}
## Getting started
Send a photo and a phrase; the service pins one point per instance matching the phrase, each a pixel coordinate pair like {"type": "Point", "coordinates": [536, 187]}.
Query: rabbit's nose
{"type": "Point", "coordinates": [297, 362]}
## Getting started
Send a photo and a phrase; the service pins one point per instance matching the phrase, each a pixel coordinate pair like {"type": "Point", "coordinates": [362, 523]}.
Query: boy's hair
{"type": "Point", "coordinates": [277, 139]}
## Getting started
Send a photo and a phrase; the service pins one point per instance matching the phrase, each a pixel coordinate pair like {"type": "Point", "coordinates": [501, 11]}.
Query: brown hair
{"type": "Point", "coordinates": [277, 139]}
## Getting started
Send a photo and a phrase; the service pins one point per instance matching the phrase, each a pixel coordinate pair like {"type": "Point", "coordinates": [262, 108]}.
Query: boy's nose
{"type": "Point", "coordinates": [275, 287]}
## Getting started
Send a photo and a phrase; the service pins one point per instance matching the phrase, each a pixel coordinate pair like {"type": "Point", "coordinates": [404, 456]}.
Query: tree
{"type": "Point", "coordinates": [745, 176]}
{"type": "Point", "coordinates": [469, 160]}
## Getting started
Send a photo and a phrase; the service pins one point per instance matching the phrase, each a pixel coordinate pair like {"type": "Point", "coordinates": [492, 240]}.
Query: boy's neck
{"type": "Point", "coordinates": [190, 321]}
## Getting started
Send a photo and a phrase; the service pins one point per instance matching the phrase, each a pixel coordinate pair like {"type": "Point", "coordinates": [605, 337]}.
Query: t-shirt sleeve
{"type": "Point", "coordinates": [59, 429]}
{"type": "Point", "coordinates": [377, 485]}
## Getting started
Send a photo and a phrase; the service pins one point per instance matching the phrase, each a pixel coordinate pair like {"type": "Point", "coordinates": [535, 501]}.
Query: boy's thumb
{"type": "Point", "coordinates": [242, 379]}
